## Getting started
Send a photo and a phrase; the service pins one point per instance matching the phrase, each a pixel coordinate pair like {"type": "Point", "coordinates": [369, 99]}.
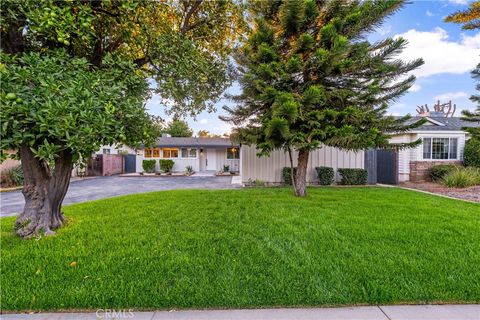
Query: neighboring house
{"type": "Point", "coordinates": [202, 154]}
{"type": "Point", "coordinates": [443, 141]}
{"type": "Point", "coordinates": [115, 149]}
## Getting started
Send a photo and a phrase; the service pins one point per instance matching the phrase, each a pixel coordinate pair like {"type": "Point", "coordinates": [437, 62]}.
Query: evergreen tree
{"type": "Point", "coordinates": [475, 115]}
{"type": "Point", "coordinates": [179, 128]}
{"type": "Point", "coordinates": [310, 78]}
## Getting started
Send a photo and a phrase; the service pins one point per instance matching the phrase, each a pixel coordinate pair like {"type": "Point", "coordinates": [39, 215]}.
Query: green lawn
{"type": "Point", "coordinates": [248, 248]}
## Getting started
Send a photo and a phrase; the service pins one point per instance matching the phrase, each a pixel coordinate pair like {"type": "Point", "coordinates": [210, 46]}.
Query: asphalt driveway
{"type": "Point", "coordinates": [105, 187]}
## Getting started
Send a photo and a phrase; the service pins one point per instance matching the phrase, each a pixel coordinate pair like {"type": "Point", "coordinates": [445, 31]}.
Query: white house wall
{"type": "Point", "coordinates": [269, 169]}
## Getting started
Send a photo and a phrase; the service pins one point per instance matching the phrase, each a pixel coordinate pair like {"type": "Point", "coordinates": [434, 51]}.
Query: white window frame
{"type": "Point", "coordinates": [457, 152]}
{"type": "Point", "coordinates": [188, 153]}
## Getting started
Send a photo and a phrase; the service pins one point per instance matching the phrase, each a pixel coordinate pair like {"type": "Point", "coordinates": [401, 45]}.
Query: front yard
{"type": "Point", "coordinates": [248, 248]}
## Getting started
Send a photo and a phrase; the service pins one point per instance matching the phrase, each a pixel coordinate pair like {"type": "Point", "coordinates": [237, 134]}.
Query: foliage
{"type": "Point", "coordinates": [17, 175]}
{"type": "Point", "coordinates": [149, 165]}
{"type": "Point", "coordinates": [166, 165]}
{"type": "Point", "coordinates": [438, 172]}
{"type": "Point", "coordinates": [462, 177]}
{"type": "Point", "coordinates": [310, 78]}
{"type": "Point", "coordinates": [226, 168]}
{"type": "Point", "coordinates": [189, 170]}
{"type": "Point", "coordinates": [287, 174]}
{"type": "Point", "coordinates": [351, 176]}
{"type": "Point", "coordinates": [179, 128]}
{"type": "Point", "coordinates": [474, 116]}
{"type": "Point", "coordinates": [325, 175]}
{"type": "Point", "coordinates": [141, 242]}
{"type": "Point", "coordinates": [54, 103]}
{"type": "Point", "coordinates": [471, 153]}
{"type": "Point", "coordinates": [207, 134]}
{"type": "Point", "coordinates": [470, 18]}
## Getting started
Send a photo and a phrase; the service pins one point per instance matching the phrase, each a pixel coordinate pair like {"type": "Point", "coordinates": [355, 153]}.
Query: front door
{"type": "Point", "coordinates": [211, 160]}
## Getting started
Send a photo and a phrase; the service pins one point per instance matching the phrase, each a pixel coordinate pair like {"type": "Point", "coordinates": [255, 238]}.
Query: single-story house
{"type": "Point", "coordinates": [202, 154]}
{"type": "Point", "coordinates": [443, 141]}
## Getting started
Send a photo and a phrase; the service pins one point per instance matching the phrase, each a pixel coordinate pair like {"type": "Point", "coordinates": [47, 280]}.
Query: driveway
{"type": "Point", "coordinates": [105, 187]}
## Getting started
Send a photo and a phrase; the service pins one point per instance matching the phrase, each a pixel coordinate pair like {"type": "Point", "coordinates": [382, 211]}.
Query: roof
{"type": "Point", "coordinates": [444, 124]}
{"type": "Point", "coordinates": [195, 142]}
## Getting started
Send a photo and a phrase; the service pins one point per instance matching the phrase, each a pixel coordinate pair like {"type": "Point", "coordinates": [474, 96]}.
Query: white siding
{"type": "Point", "coordinates": [269, 169]}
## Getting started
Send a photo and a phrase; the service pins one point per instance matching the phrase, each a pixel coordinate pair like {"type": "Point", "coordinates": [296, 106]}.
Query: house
{"type": "Point", "coordinates": [443, 141]}
{"type": "Point", "coordinates": [202, 154]}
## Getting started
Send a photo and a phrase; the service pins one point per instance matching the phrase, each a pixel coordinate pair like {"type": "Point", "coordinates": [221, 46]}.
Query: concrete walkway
{"type": "Point", "coordinates": [419, 312]}
{"type": "Point", "coordinates": [12, 202]}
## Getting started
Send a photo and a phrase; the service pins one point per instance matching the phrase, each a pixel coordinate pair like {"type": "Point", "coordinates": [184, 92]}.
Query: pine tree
{"type": "Point", "coordinates": [309, 78]}
{"type": "Point", "coordinates": [475, 115]}
{"type": "Point", "coordinates": [470, 18]}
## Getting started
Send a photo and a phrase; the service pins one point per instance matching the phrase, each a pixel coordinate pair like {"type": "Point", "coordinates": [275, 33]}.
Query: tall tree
{"type": "Point", "coordinates": [309, 78]}
{"type": "Point", "coordinates": [179, 128]}
{"type": "Point", "coordinates": [470, 19]}
{"type": "Point", "coordinates": [75, 76]}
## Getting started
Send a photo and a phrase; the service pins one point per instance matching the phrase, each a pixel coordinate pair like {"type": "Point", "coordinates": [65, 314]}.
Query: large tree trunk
{"type": "Point", "coordinates": [300, 182]}
{"type": "Point", "coordinates": [44, 191]}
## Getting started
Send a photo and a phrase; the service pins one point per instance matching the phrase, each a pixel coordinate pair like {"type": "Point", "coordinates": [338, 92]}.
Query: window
{"type": "Point", "coordinates": [106, 151]}
{"type": "Point", "coordinates": [170, 153]}
{"type": "Point", "coordinates": [440, 148]}
{"type": "Point", "coordinates": [152, 152]}
{"type": "Point", "coordinates": [233, 153]}
{"type": "Point", "coordinates": [189, 153]}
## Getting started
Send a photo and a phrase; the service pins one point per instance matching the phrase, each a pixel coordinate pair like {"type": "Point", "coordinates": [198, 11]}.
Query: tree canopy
{"type": "Point", "coordinates": [178, 128]}
{"type": "Point", "coordinates": [309, 78]}
{"type": "Point", "coordinates": [470, 18]}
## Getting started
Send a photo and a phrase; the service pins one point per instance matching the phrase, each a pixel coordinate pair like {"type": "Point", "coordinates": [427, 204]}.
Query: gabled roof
{"type": "Point", "coordinates": [444, 124]}
{"type": "Point", "coordinates": [195, 142]}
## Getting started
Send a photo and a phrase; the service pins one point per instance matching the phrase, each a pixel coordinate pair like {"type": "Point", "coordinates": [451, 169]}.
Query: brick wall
{"type": "Point", "coordinates": [419, 169]}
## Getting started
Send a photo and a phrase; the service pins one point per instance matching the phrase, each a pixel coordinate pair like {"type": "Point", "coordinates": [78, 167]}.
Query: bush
{"type": "Point", "coordinates": [325, 175]}
{"type": "Point", "coordinates": [438, 172]}
{"type": "Point", "coordinates": [353, 176]}
{"type": "Point", "coordinates": [462, 177]}
{"type": "Point", "coordinates": [287, 179]}
{"type": "Point", "coordinates": [471, 153]}
{"type": "Point", "coordinates": [149, 165]}
{"type": "Point", "coordinates": [166, 165]}
{"type": "Point", "coordinates": [226, 168]}
{"type": "Point", "coordinates": [17, 175]}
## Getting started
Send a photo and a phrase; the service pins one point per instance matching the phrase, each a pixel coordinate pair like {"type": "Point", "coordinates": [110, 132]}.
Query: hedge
{"type": "Point", "coordinates": [353, 176]}
{"type": "Point", "coordinates": [166, 165]}
{"type": "Point", "coordinates": [286, 174]}
{"type": "Point", "coordinates": [471, 153]}
{"type": "Point", "coordinates": [149, 165]}
{"type": "Point", "coordinates": [325, 175]}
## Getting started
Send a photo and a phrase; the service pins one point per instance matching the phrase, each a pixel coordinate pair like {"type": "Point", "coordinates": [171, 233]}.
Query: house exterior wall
{"type": "Point", "coordinates": [114, 149]}
{"type": "Point", "coordinates": [181, 163]}
{"type": "Point", "coordinates": [269, 169]}
{"type": "Point", "coordinates": [412, 159]}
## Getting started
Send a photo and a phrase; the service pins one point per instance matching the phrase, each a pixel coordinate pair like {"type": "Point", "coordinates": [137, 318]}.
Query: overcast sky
{"type": "Point", "coordinates": [449, 54]}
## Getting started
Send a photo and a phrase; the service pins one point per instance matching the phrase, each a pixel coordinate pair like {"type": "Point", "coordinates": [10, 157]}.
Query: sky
{"type": "Point", "coordinates": [449, 52]}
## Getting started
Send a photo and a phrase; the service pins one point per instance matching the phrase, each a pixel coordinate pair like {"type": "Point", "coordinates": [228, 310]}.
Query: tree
{"type": "Point", "coordinates": [207, 134]}
{"type": "Point", "coordinates": [309, 78]}
{"type": "Point", "coordinates": [75, 76]}
{"type": "Point", "coordinates": [470, 18]}
{"type": "Point", "coordinates": [179, 128]}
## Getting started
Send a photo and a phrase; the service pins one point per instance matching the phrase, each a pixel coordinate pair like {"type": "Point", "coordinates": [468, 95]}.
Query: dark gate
{"type": "Point", "coordinates": [387, 166]}
{"type": "Point", "coordinates": [130, 163]}
{"type": "Point", "coordinates": [95, 165]}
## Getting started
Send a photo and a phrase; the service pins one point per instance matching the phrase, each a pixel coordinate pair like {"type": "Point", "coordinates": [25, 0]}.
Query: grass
{"type": "Point", "coordinates": [248, 248]}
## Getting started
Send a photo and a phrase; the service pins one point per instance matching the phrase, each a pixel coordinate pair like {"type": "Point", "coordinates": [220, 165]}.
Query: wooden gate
{"type": "Point", "coordinates": [387, 167]}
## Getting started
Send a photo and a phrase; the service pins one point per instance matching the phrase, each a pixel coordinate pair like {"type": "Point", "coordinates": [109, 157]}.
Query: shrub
{"type": "Point", "coordinates": [438, 172]}
{"type": "Point", "coordinates": [226, 168]}
{"type": "Point", "coordinates": [286, 176]}
{"type": "Point", "coordinates": [17, 175]}
{"type": "Point", "coordinates": [149, 166]}
{"type": "Point", "coordinates": [188, 169]}
{"type": "Point", "coordinates": [471, 153]}
{"type": "Point", "coordinates": [166, 165]}
{"type": "Point", "coordinates": [353, 176]}
{"type": "Point", "coordinates": [325, 175]}
{"type": "Point", "coordinates": [462, 177]}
